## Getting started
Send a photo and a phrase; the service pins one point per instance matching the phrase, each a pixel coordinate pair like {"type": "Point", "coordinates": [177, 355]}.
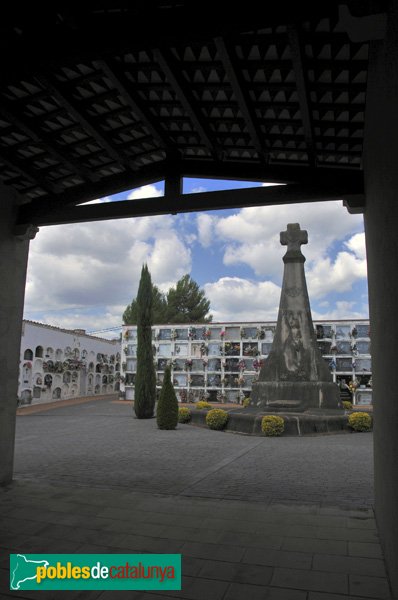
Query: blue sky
{"type": "Point", "coordinates": [83, 275]}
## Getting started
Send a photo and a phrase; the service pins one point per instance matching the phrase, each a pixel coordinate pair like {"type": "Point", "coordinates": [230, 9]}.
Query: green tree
{"type": "Point", "coordinates": [159, 309]}
{"type": "Point", "coordinates": [145, 381]}
{"type": "Point", "coordinates": [167, 410]}
{"type": "Point", "coordinates": [187, 303]}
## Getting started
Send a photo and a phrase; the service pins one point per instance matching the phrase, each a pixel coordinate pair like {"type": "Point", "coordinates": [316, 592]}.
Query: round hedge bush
{"type": "Point", "coordinates": [202, 404]}
{"type": "Point", "coordinates": [272, 425]}
{"type": "Point", "coordinates": [246, 402]}
{"type": "Point", "coordinates": [184, 414]}
{"type": "Point", "coordinates": [360, 421]}
{"type": "Point", "coordinates": [217, 418]}
{"type": "Point", "coordinates": [347, 404]}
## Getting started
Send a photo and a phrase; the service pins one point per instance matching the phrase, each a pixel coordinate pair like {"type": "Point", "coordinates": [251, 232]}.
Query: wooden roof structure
{"type": "Point", "coordinates": [109, 96]}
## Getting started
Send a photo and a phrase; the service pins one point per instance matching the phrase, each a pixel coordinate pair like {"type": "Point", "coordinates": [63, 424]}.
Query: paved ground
{"type": "Point", "coordinates": [100, 444]}
{"type": "Point", "coordinates": [283, 518]}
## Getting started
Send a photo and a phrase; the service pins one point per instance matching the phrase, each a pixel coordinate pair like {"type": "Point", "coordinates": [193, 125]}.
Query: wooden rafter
{"type": "Point", "coordinates": [86, 122]}
{"type": "Point", "coordinates": [185, 97]}
{"type": "Point", "coordinates": [302, 89]}
{"type": "Point", "coordinates": [46, 141]}
{"type": "Point", "coordinates": [32, 174]}
{"type": "Point", "coordinates": [115, 74]}
{"type": "Point", "coordinates": [238, 85]}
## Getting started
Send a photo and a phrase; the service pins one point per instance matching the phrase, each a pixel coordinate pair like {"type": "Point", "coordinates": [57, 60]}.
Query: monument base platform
{"type": "Point", "coordinates": [312, 422]}
{"type": "Point", "coordinates": [294, 396]}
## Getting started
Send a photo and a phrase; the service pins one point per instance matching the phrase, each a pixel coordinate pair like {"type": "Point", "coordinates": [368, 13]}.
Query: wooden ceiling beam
{"type": "Point", "coordinates": [30, 173]}
{"type": "Point", "coordinates": [302, 89]}
{"type": "Point", "coordinates": [87, 123]}
{"type": "Point", "coordinates": [175, 203]}
{"type": "Point", "coordinates": [115, 74]}
{"type": "Point", "coordinates": [185, 97]}
{"type": "Point", "coordinates": [349, 179]}
{"type": "Point", "coordinates": [228, 60]}
{"type": "Point", "coordinates": [46, 141]}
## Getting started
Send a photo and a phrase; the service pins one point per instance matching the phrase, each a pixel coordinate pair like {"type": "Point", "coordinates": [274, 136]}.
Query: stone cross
{"type": "Point", "coordinates": [293, 237]}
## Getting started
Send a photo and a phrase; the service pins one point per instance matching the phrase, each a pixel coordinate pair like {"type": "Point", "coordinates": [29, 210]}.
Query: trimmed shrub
{"type": "Point", "coordinates": [167, 410]}
{"type": "Point", "coordinates": [184, 414]}
{"type": "Point", "coordinates": [360, 421]}
{"type": "Point", "coordinates": [217, 418]}
{"type": "Point", "coordinates": [202, 404]}
{"type": "Point", "coordinates": [246, 402]}
{"type": "Point", "coordinates": [347, 404]}
{"type": "Point", "coordinates": [272, 425]}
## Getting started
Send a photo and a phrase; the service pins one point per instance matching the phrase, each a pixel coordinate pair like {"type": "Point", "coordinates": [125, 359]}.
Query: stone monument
{"type": "Point", "coordinates": [294, 377]}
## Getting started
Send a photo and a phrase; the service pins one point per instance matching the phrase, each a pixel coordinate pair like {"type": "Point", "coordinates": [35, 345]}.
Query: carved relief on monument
{"type": "Point", "coordinates": [296, 357]}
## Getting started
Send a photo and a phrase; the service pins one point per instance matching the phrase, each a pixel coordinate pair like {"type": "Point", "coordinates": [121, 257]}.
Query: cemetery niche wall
{"type": "Point", "coordinates": [59, 363]}
{"type": "Point", "coordinates": [221, 361]}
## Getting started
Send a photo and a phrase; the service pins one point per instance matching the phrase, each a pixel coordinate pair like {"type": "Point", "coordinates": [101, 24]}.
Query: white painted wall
{"type": "Point", "coordinates": [82, 365]}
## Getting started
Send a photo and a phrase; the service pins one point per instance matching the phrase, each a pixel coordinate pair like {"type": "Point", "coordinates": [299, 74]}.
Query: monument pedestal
{"type": "Point", "coordinates": [296, 396]}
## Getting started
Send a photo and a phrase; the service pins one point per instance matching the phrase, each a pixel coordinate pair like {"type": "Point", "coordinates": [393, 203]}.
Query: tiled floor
{"type": "Point", "coordinates": [269, 546]}
{"type": "Point", "coordinates": [231, 549]}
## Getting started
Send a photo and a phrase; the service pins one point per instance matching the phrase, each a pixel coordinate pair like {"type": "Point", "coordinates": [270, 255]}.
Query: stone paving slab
{"type": "Point", "coordinates": [292, 540]}
{"type": "Point", "coordinates": [212, 569]}
{"type": "Point", "coordinates": [100, 444]}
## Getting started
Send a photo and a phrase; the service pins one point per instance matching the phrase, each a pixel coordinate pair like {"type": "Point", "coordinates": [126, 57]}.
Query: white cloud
{"type": "Point", "coordinates": [99, 263]}
{"type": "Point", "coordinates": [234, 299]}
{"type": "Point", "coordinates": [265, 258]}
{"type": "Point", "coordinates": [146, 191]}
{"type": "Point", "coordinates": [95, 267]}
{"type": "Point", "coordinates": [246, 225]}
{"type": "Point", "coordinates": [343, 309]}
{"type": "Point", "coordinates": [356, 244]}
{"type": "Point", "coordinates": [98, 200]}
{"type": "Point", "coordinates": [256, 230]}
{"type": "Point", "coordinates": [110, 317]}
{"type": "Point", "coordinates": [169, 260]}
{"type": "Point", "coordinates": [205, 224]}
{"type": "Point", "coordinates": [251, 238]}
{"type": "Point", "coordinates": [338, 276]}
{"type": "Point", "coordinates": [198, 190]}
{"type": "Point", "coordinates": [326, 276]}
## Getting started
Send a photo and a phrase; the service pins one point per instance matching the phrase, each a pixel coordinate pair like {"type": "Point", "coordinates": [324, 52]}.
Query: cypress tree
{"type": "Point", "coordinates": [145, 381]}
{"type": "Point", "coordinates": [167, 410]}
